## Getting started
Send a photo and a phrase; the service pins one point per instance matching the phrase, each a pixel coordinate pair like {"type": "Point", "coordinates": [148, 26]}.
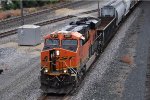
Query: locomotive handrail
{"type": "Point", "coordinates": [109, 23]}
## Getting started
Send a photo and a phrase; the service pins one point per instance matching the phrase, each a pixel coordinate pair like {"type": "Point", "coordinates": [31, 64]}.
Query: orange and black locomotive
{"type": "Point", "coordinates": [68, 53]}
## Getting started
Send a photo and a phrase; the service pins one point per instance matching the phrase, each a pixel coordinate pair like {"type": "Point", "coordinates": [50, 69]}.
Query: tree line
{"type": "Point", "coordinates": [15, 4]}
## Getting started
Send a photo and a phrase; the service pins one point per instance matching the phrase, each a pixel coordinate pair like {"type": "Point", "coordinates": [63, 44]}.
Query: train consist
{"type": "Point", "coordinates": [67, 54]}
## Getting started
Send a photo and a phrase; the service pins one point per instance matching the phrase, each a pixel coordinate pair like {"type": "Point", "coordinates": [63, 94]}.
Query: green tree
{"type": "Point", "coordinates": [26, 3]}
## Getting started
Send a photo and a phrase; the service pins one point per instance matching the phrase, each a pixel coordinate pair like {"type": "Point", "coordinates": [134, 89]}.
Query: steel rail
{"type": "Point", "coordinates": [15, 22]}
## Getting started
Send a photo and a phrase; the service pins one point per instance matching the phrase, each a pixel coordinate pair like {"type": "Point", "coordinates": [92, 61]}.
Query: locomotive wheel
{"type": "Point", "coordinates": [99, 50]}
{"type": "Point", "coordinates": [75, 85]}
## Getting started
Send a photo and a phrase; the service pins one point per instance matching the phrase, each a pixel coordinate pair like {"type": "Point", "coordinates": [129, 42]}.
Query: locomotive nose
{"type": "Point", "coordinates": [60, 60]}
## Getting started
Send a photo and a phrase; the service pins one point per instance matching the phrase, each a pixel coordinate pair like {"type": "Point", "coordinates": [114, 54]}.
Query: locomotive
{"type": "Point", "coordinates": [67, 54]}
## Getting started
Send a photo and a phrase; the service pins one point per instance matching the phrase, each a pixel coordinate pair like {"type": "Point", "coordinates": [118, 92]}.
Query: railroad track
{"type": "Point", "coordinates": [46, 22]}
{"type": "Point", "coordinates": [53, 97]}
{"type": "Point", "coordinates": [14, 31]}
{"type": "Point", "coordinates": [34, 17]}
{"type": "Point", "coordinates": [11, 32]}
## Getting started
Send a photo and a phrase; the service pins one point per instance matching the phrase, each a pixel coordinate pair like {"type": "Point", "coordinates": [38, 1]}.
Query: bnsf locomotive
{"type": "Point", "coordinates": [67, 54]}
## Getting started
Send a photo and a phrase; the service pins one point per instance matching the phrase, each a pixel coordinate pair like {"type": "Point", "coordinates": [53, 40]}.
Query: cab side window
{"type": "Point", "coordinates": [82, 42]}
{"type": "Point", "coordinates": [85, 34]}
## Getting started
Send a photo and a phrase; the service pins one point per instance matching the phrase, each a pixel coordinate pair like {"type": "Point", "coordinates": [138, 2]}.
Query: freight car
{"type": "Point", "coordinates": [111, 17]}
{"type": "Point", "coordinates": [67, 54]}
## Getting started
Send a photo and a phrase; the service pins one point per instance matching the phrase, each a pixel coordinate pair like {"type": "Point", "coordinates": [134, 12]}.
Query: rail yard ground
{"type": "Point", "coordinates": [72, 9]}
{"type": "Point", "coordinates": [119, 73]}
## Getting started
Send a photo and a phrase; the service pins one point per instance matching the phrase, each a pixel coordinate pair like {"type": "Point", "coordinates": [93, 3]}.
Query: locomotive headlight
{"type": "Point", "coordinates": [65, 71]}
{"type": "Point", "coordinates": [46, 71]}
{"type": "Point", "coordinates": [57, 52]}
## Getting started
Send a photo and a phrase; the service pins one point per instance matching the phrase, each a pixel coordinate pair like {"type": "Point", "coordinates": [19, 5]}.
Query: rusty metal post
{"type": "Point", "coordinates": [21, 7]}
{"type": "Point", "coordinates": [98, 10]}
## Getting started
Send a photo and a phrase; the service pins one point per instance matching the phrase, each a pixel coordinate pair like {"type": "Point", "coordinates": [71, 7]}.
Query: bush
{"type": "Point", "coordinates": [26, 3]}
{"type": "Point", "coordinates": [4, 15]}
{"type": "Point", "coordinates": [30, 10]}
{"type": "Point", "coordinates": [53, 1]}
{"type": "Point", "coordinates": [15, 12]}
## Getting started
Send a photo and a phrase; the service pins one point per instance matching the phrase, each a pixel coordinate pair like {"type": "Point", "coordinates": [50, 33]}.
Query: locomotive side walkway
{"type": "Point", "coordinates": [120, 72]}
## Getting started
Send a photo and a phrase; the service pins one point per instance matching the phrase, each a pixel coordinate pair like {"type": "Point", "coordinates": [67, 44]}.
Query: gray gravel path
{"type": "Point", "coordinates": [108, 79]}
{"type": "Point", "coordinates": [135, 83]}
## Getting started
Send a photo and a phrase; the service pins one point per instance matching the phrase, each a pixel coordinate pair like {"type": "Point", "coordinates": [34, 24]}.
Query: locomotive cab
{"type": "Point", "coordinates": [60, 57]}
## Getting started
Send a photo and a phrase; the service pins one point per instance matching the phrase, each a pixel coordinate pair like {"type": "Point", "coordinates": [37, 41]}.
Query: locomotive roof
{"type": "Point", "coordinates": [81, 24]}
{"type": "Point", "coordinates": [77, 27]}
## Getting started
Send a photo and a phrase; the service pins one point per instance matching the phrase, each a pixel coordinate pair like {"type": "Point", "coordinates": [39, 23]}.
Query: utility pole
{"type": "Point", "coordinates": [98, 10]}
{"type": "Point", "coordinates": [21, 7]}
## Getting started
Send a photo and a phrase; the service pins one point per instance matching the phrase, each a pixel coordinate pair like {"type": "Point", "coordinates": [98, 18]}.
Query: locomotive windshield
{"type": "Point", "coordinates": [70, 45]}
{"type": "Point", "coordinates": [51, 43]}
